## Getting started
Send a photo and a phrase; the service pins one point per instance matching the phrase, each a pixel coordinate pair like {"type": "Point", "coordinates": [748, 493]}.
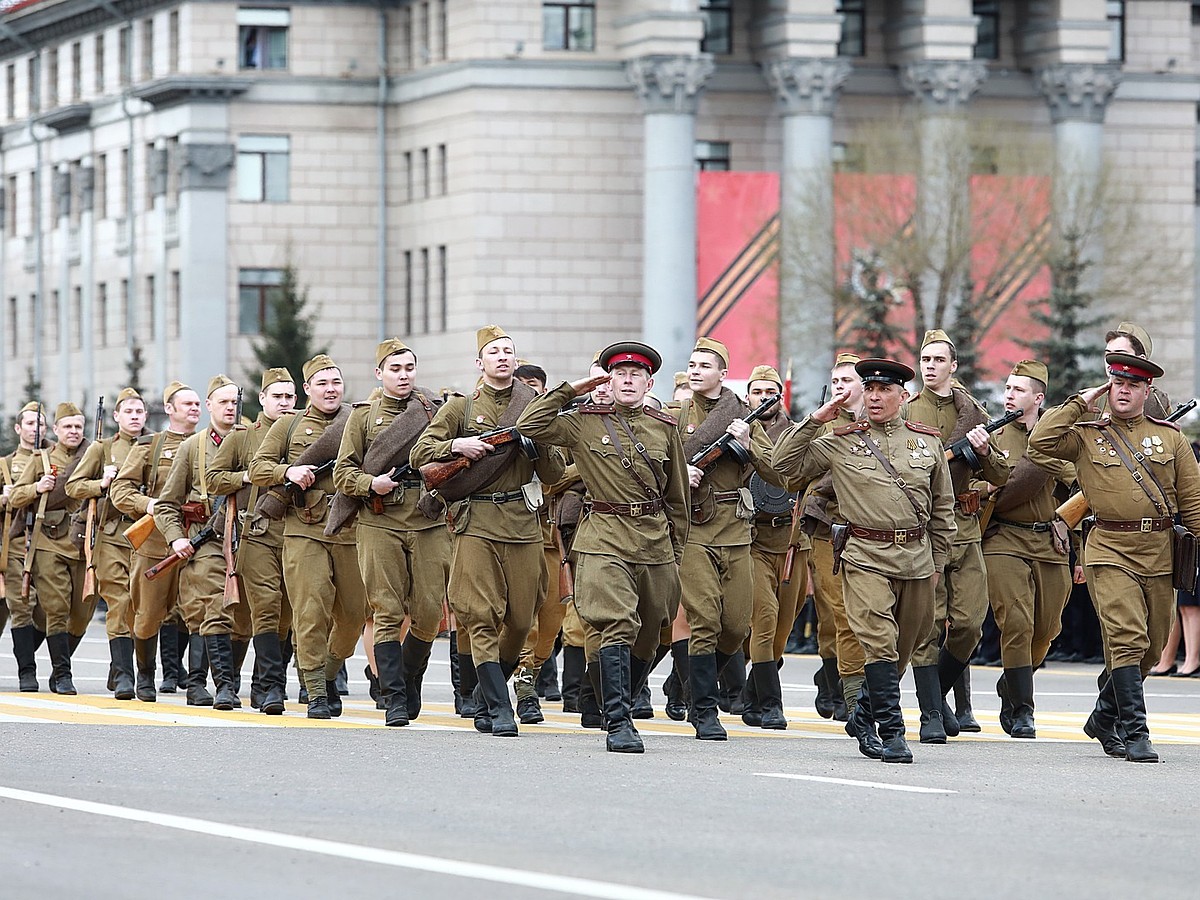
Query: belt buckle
{"type": "Point", "coordinates": [900, 536]}
{"type": "Point", "coordinates": [497, 497]}
{"type": "Point", "coordinates": [635, 509]}
{"type": "Point", "coordinates": [1147, 526]}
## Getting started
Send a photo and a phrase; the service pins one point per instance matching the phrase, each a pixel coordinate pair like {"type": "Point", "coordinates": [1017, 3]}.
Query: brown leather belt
{"type": "Point", "coordinates": [726, 496]}
{"type": "Point", "coordinates": [1038, 527]}
{"type": "Point", "coordinates": [647, 508]}
{"type": "Point", "coordinates": [899, 536]}
{"type": "Point", "coordinates": [498, 496]}
{"type": "Point", "coordinates": [1145, 526]}
{"type": "Point", "coordinates": [774, 521]}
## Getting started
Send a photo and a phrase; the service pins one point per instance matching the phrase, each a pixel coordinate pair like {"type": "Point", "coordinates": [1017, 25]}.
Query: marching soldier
{"type": "Point", "coordinates": [329, 603]}
{"type": "Point", "coordinates": [497, 565]}
{"type": "Point", "coordinates": [182, 511]}
{"type": "Point", "coordinates": [1028, 576]}
{"type": "Point", "coordinates": [113, 552]}
{"type": "Point", "coordinates": [894, 489]}
{"type": "Point", "coordinates": [631, 537]}
{"type": "Point", "coordinates": [718, 584]}
{"type": "Point", "coordinates": [259, 561]}
{"type": "Point", "coordinates": [962, 599]}
{"type": "Point", "coordinates": [1137, 473]}
{"type": "Point", "coordinates": [1128, 337]}
{"type": "Point", "coordinates": [134, 492]}
{"type": "Point", "coordinates": [54, 562]}
{"type": "Point", "coordinates": [28, 620]}
{"type": "Point", "coordinates": [404, 555]}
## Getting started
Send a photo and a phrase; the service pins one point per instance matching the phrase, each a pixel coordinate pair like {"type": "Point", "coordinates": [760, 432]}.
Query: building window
{"type": "Point", "coordinates": [126, 182]}
{"type": "Point", "coordinates": [52, 78]}
{"type": "Point", "coordinates": [125, 55]}
{"type": "Point", "coordinates": [987, 35]}
{"type": "Point", "coordinates": [100, 63]}
{"type": "Point", "coordinates": [172, 179]}
{"type": "Point", "coordinates": [151, 161]}
{"type": "Point", "coordinates": [10, 206]}
{"type": "Point", "coordinates": [849, 157]}
{"type": "Point", "coordinates": [712, 156]}
{"type": "Point", "coordinates": [718, 26]}
{"type": "Point", "coordinates": [34, 74]}
{"type": "Point", "coordinates": [257, 291]}
{"type": "Point", "coordinates": [10, 91]}
{"type": "Point", "coordinates": [151, 323]}
{"type": "Point", "coordinates": [51, 322]}
{"type": "Point", "coordinates": [425, 290]}
{"type": "Point", "coordinates": [14, 327]}
{"type": "Point", "coordinates": [126, 314]}
{"type": "Point", "coordinates": [425, 194]}
{"type": "Point", "coordinates": [100, 187]}
{"type": "Point", "coordinates": [101, 314]}
{"type": "Point", "coordinates": [1116, 30]}
{"type": "Point", "coordinates": [408, 176]}
{"type": "Point", "coordinates": [408, 292]}
{"type": "Point", "coordinates": [147, 48]}
{"type": "Point", "coordinates": [262, 168]}
{"type": "Point", "coordinates": [173, 42]}
{"type": "Point", "coordinates": [76, 186]}
{"type": "Point", "coordinates": [424, 51]}
{"type": "Point", "coordinates": [76, 71]}
{"type": "Point", "coordinates": [263, 38]}
{"type": "Point", "coordinates": [443, 25]}
{"type": "Point", "coordinates": [442, 174]}
{"type": "Point", "coordinates": [173, 311]}
{"type": "Point", "coordinates": [443, 293]}
{"type": "Point", "coordinates": [854, 27]}
{"type": "Point", "coordinates": [76, 317]}
{"type": "Point", "coordinates": [569, 26]}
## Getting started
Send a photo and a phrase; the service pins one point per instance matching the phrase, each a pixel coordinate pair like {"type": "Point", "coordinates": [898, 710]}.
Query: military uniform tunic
{"type": "Point", "coordinates": [23, 612]}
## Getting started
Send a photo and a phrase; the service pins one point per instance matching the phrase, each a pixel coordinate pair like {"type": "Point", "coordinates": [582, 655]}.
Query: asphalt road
{"type": "Point", "coordinates": [102, 799]}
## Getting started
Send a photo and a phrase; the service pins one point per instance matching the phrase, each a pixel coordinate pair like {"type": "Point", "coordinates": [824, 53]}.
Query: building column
{"type": "Point", "coordinates": [204, 264]}
{"type": "Point", "coordinates": [87, 283]}
{"type": "Point", "coordinates": [157, 226]}
{"type": "Point", "coordinates": [62, 208]}
{"type": "Point", "coordinates": [807, 92]}
{"type": "Point", "coordinates": [669, 89]}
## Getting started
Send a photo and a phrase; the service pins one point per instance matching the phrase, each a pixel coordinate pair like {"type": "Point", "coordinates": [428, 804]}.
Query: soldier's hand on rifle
{"type": "Point", "coordinates": [830, 410]}
{"type": "Point", "coordinates": [46, 483]}
{"type": "Point", "coordinates": [110, 472]}
{"type": "Point", "coordinates": [1091, 395]}
{"type": "Point", "coordinates": [978, 438]}
{"type": "Point", "coordinates": [183, 547]}
{"type": "Point", "coordinates": [586, 385]}
{"type": "Point", "coordinates": [740, 431]}
{"type": "Point", "coordinates": [383, 484]}
{"type": "Point", "coordinates": [301, 476]}
{"type": "Point", "coordinates": [471, 448]}
{"type": "Point", "coordinates": [694, 476]}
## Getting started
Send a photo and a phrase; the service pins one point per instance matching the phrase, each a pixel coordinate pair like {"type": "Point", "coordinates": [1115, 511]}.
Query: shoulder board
{"type": "Point", "coordinates": [851, 428]}
{"type": "Point", "coordinates": [594, 409]}
{"type": "Point", "coordinates": [360, 404]}
{"type": "Point", "coordinates": [922, 429]}
{"type": "Point", "coordinates": [257, 425]}
{"type": "Point", "coordinates": [660, 415]}
{"type": "Point", "coordinates": [145, 439]}
{"type": "Point", "coordinates": [475, 396]}
{"type": "Point", "coordinates": [1101, 423]}
{"type": "Point", "coordinates": [1163, 422]}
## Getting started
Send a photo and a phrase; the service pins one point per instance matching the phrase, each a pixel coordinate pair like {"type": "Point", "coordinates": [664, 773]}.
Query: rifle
{"type": "Point", "coordinates": [1076, 507]}
{"type": "Point", "coordinates": [711, 455]}
{"type": "Point", "coordinates": [376, 500]}
{"type": "Point", "coordinates": [199, 539]}
{"type": "Point", "coordinates": [89, 530]}
{"type": "Point", "coordinates": [435, 474]}
{"type": "Point", "coordinates": [139, 532]}
{"type": "Point", "coordinates": [33, 521]}
{"type": "Point", "coordinates": [962, 449]}
{"type": "Point", "coordinates": [231, 539]}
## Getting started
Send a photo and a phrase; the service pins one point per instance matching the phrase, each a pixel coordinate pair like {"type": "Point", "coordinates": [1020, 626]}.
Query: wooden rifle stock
{"type": "Point", "coordinates": [89, 529]}
{"type": "Point", "coordinates": [566, 575]}
{"type": "Point", "coordinates": [435, 474]}
{"type": "Point", "coordinates": [203, 536]}
{"type": "Point", "coordinates": [229, 542]}
{"type": "Point", "coordinates": [139, 532]}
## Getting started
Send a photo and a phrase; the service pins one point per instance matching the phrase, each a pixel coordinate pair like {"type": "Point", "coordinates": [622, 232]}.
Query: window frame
{"type": "Point", "coordinates": [587, 9]}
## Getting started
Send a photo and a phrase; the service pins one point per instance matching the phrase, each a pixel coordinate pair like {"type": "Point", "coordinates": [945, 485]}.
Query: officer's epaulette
{"type": "Point", "coordinates": [595, 409]}
{"type": "Point", "coordinates": [921, 428]}
{"type": "Point", "coordinates": [1098, 423]}
{"type": "Point", "coordinates": [145, 439]}
{"type": "Point", "coordinates": [360, 404]}
{"type": "Point", "coordinates": [475, 396]}
{"type": "Point", "coordinates": [660, 415]}
{"type": "Point", "coordinates": [241, 427]}
{"type": "Point", "coordinates": [852, 427]}
{"type": "Point", "coordinates": [1163, 422]}
{"type": "Point", "coordinates": [258, 425]}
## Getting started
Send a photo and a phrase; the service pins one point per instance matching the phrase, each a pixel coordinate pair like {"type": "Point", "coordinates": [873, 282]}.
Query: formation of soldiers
{"type": "Point", "coordinates": [520, 516]}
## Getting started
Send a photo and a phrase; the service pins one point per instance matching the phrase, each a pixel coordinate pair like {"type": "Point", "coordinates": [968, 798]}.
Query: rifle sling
{"type": "Point", "coordinates": [627, 462]}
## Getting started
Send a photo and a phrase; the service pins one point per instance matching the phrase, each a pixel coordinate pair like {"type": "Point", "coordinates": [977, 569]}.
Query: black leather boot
{"type": "Point", "coordinates": [172, 667]}
{"type": "Point", "coordinates": [240, 649]}
{"type": "Point", "coordinates": [883, 687]}
{"type": "Point", "coordinates": [1102, 724]}
{"type": "Point", "coordinates": [590, 715]}
{"type": "Point", "coordinates": [639, 674]}
{"type": "Point", "coordinates": [573, 666]}
{"type": "Point", "coordinates": [752, 713]}
{"type": "Point", "coordinates": [314, 683]}
{"type": "Point", "coordinates": [547, 680]}
{"type": "Point", "coordinates": [120, 650]}
{"type": "Point", "coordinates": [731, 682]}
{"type": "Point", "coordinates": [24, 645]}
{"type": "Point", "coordinates": [220, 658]}
{"type": "Point", "coordinates": [963, 714]}
{"type": "Point", "coordinates": [1131, 710]}
{"type": "Point", "coordinates": [861, 726]}
{"type": "Point", "coordinates": [1004, 692]}
{"type": "Point", "coordinates": [333, 696]}
{"type": "Point", "coordinates": [373, 687]}
{"type": "Point", "coordinates": [765, 676]}
{"type": "Point", "coordinates": [950, 669]}
{"type": "Point", "coordinates": [145, 652]}
{"type": "Point", "coordinates": [615, 688]}
{"type": "Point", "coordinates": [455, 674]}
{"type": "Point", "coordinates": [416, 662]}
{"type": "Point", "coordinates": [197, 675]}
{"type": "Point", "coordinates": [468, 682]}
{"type": "Point", "coordinates": [643, 705]}
{"type": "Point", "coordinates": [1020, 691]}
{"type": "Point", "coordinates": [679, 696]}
{"type": "Point", "coordinates": [342, 681]}
{"type": "Point", "coordinates": [389, 657]}
{"type": "Point", "coordinates": [825, 690]}
{"type": "Point", "coordinates": [59, 646]}
{"type": "Point", "coordinates": [494, 686]}
{"type": "Point", "coordinates": [834, 680]}
{"type": "Point", "coordinates": [929, 698]}
{"type": "Point", "coordinates": [268, 658]}
{"type": "Point", "coordinates": [703, 678]}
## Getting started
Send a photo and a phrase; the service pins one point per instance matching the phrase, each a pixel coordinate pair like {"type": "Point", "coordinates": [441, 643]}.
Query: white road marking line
{"type": "Point", "coordinates": [565, 884]}
{"type": "Point", "coordinates": [906, 788]}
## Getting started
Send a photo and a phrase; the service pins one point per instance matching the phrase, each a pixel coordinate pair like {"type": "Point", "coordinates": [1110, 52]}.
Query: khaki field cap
{"type": "Point", "coordinates": [1140, 334]}
{"type": "Point", "coordinates": [847, 359]}
{"type": "Point", "coordinates": [487, 334]}
{"type": "Point", "coordinates": [713, 347]}
{"type": "Point", "coordinates": [172, 389]}
{"type": "Point", "coordinates": [934, 337]}
{"type": "Point", "coordinates": [274, 376]}
{"type": "Point", "coordinates": [318, 363]}
{"type": "Point", "coordinates": [216, 383]}
{"type": "Point", "coordinates": [31, 406]}
{"type": "Point", "coordinates": [127, 394]}
{"type": "Point", "coordinates": [390, 347]}
{"type": "Point", "coordinates": [1031, 368]}
{"type": "Point", "coordinates": [681, 379]}
{"type": "Point", "coordinates": [66, 410]}
{"type": "Point", "coordinates": [765, 373]}
{"type": "Point", "coordinates": [1136, 368]}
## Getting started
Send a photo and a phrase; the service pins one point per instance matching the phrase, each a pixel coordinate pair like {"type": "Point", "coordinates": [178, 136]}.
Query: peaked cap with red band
{"type": "Point", "coordinates": [630, 353]}
{"type": "Point", "coordinates": [1137, 368]}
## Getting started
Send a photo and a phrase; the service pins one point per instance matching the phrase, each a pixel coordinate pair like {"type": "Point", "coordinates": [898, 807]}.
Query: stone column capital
{"type": "Point", "coordinates": [205, 167]}
{"type": "Point", "coordinates": [1078, 92]}
{"type": "Point", "coordinates": [669, 84]}
{"type": "Point", "coordinates": [806, 86]}
{"type": "Point", "coordinates": [943, 85]}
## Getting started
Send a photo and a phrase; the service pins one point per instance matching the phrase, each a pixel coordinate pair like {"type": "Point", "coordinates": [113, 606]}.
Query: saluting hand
{"type": "Point", "coordinates": [1091, 395]}
{"type": "Point", "coordinates": [830, 410]}
{"type": "Point", "coordinates": [585, 386]}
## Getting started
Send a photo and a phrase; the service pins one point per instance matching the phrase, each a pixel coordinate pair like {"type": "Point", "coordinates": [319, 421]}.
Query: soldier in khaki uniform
{"type": "Point", "coordinates": [329, 601]}
{"type": "Point", "coordinates": [497, 565]}
{"type": "Point", "coordinates": [183, 509]}
{"type": "Point", "coordinates": [259, 561]}
{"type": "Point", "coordinates": [404, 555]}
{"type": "Point", "coordinates": [134, 492]}
{"type": "Point", "coordinates": [1028, 576]}
{"type": "Point", "coordinates": [718, 582]}
{"type": "Point", "coordinates": [28, 620]}
{"type": "Point", "coordinates": [631, 537]}
{"type": "Point", "coordinates": [1129, 337]}
{"type": "Point", "coordinates": [900, 531]}
{"type": "Point", "coordinates": [962, 599]}
{"type": "Point", "coordinates": [112, 553]}
{"type": "Point", "coordinates": [1128, 553]}
{"type": "Point", "coordinates": [55, 563]}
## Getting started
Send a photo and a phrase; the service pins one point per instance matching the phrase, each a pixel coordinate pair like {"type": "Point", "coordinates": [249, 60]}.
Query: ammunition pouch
{"type": "Point", "coordinates": [194, 512]}
{"type": "Point", "coordinates": [840, 535]}
{"type": "Point", "coordinates": [968, 503]}
{"type": "Point", "coordinates": [78, 529]}
{"type": "Point", "coordinates": [313, 506]}
{"type": "Point", "coordinates": [704, 506]}
{"type": "Point", "coordinates": [56, 524]}
{"type": "Point", "coordinates": [1183, 559]}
